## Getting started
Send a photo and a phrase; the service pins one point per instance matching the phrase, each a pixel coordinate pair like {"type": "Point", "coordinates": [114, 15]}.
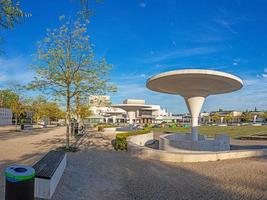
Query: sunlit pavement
{"type": "Point", "coordinates": [99, 172]}
{"type": "Point", "coordinates": [27, 147]}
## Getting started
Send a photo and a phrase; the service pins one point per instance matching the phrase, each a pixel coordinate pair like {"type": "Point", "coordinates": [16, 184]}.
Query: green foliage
{"type": "Point", "coordinates": [264, 116]}
{"type": "Point", "coordinates": [120, 143]}
{"type": "Point", "coordinates": [11, 13]}
{"type": "Point", "coordinates": [66, 65]}
{"type": "Point", "coordinates": [42, 108]}
{"type": "Point", "coordinates": [216, 117]}
{"type": "Point", "coordinates": [172, 126]}
{"type": "Point", "coordinates": [101, 127]}
{"type": "Point", "coordinates": [121, 138]}
{"type": "Point", "coordinates": [246, 117]}
{"type": "Point", "coordinates": [7, 98]}
{"type": "Point", "coordinates": [228, 118]}
{"type": "Point", "coordinates": [13, 99]}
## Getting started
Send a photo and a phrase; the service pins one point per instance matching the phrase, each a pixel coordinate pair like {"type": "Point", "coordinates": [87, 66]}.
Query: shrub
{"type": "Point", "coordinates": [121, 138]}
{"type": "Point", "coordinates": [120, 143]}
{"type": "Point", "coordinates": [172, 126]}
{"type": "Point", "coordinates": [101, 127]}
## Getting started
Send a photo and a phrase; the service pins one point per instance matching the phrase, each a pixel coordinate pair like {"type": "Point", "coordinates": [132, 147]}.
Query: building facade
{"type": "Point", "coordinates": [103, 112]}
{"type": "Point", "coordinates": [5, 116]}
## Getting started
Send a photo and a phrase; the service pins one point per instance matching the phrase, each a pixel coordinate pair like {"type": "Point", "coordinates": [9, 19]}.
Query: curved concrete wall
{"type": "Point", "coordinates": [183, 142]}
{"type": "Point", "coordinates": [141, 140]}
{"type": "Point", "coordinates": [136, 148]}
{"type": "Point", "coordinates": [110, 129]}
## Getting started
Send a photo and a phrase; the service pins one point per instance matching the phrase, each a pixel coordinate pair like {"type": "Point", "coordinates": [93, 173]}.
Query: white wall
{"type": "Point", "coordinates": [5, 116]}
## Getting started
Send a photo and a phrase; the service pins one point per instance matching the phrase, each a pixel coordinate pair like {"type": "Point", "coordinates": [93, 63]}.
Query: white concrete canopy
{"type": "Point", "coordinates": [194, 85]}
{"type": "Point", "coordinates": [130, 109]}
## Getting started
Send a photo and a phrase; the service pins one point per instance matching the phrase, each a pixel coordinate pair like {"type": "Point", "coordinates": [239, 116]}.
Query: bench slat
{"type": "Point", "coordinates": [46, 167]}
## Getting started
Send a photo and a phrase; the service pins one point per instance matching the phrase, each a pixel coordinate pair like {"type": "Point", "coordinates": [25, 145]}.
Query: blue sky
{"type": "Point", "coordinates": [143, 38]}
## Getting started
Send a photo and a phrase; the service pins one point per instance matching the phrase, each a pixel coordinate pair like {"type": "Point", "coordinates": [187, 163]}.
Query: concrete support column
{"type": "Point", "coordinates": [114, 119]}
{"type": "Point", "coordinates": [194, 105]}
{"type": "Point", "coordinates": [254, 118]}
{"type": "Point", "coordinates": [131, 115]}
{"type": "Point", "coordinates": [222, 119]}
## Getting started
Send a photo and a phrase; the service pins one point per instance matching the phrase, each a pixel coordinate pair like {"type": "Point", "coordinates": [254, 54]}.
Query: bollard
{"type": "Point", "coordinates": [19, 182]}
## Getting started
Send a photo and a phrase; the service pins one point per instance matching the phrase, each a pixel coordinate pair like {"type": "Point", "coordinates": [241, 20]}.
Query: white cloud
{"type": "Point", "coordinates": [263, 75]}
{"type": "Point", "coordinates": [142, 4]}
{"type": "Point", "coordinates": [3, 77]}
{"type": "Point", "coordinates": [186, 52]}
{"type": "Point", "coordinates": [143, 75]}
{"type": "Point", "coordinates": [15, 69]}
{"type": "Point", "coordinates": [225, 24]}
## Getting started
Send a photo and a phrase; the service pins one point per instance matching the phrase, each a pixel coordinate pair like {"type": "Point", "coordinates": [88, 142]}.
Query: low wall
{"type": "Point", "coordinates": [136, 148]}
{"type": "Point", "coordinates": [182, 142]}
{"type": "Point", "coordinates": [142, 139]}
{"type": "Point", "coordinates": [110, 129]}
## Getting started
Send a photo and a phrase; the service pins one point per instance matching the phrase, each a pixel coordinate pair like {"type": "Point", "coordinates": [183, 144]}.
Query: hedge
{"type": "Point", "coordinates": [101, 127]}
{"type": "Point", "coordinates": [121, 141]}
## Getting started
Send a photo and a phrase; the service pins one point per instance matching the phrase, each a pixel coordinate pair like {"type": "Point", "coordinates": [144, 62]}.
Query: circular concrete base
{"type": "Point", "coordinates": [178, 142]}
{"type": "Point", "coordinates": [136, 147]}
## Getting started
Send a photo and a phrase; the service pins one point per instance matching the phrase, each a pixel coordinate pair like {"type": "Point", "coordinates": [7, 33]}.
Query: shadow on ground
{"type": "Point", "coordinates": [99, 172]}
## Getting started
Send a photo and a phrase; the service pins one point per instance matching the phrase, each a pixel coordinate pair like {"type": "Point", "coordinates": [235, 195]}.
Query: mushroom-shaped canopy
{"type": "Point", "coordinates": [194, 82]}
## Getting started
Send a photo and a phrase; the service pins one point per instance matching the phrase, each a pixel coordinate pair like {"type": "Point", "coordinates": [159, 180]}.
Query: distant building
{"type": "Point", "coordinates": [223, 114]}
{"type": "Point", "coordinates": [5, 116]}
{"type": "Point", "coordinates": [104, 113]}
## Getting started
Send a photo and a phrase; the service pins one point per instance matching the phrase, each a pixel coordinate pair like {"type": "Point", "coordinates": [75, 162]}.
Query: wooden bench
{"type": "Point", "coordinates": [48, 172]}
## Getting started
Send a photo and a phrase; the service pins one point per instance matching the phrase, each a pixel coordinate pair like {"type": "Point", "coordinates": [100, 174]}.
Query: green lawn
{"type": "Point", "coordinates": [232, 131]}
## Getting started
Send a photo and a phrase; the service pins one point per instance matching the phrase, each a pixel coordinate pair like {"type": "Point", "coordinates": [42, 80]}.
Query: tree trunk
{"type": "Point", "coordinates": [16, 121]}
{"type": "Point", "coordinates": [78, 110]}
{"type": "Point", "coordinates": [68, 120]}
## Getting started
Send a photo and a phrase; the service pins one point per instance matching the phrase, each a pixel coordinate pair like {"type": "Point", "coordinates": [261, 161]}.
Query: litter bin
{"type": "Point", "coordinates": [19, 182]}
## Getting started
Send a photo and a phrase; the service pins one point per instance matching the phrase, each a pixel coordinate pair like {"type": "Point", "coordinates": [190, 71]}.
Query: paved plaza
{"type": "Point", "coordinates": [27, 147]}
{"type": "Point", "coordinates": [99, 172]}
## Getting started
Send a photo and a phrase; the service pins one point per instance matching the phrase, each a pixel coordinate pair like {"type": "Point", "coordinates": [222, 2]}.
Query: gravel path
{"type": "Point", "coordinates": [98, 172]}
{"type": "Point", "coordinates": [26, 147]}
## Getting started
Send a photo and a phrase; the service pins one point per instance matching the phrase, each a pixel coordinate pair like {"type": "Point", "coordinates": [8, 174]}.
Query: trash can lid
{"type": "Point", "coordinates": [19, 172]}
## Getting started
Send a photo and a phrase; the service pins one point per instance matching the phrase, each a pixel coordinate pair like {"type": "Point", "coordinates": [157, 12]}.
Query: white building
{"type": "Point", "coordinates": [104, 113]}
{"type": "Point", "coordinates": [5, 116]}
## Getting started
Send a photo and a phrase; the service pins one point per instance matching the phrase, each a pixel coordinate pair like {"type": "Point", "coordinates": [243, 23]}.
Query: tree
{"type": "Point", "coordinates": [42, 108]}
{"type": "Point", "coordinates": [264, 116]}
{"type": "Point", "coordinates": [216, 117]}
{"type": "Point", "coordinates": [53, 111]}
{"type": "Point", "coordinates": [66, 66]}
{"type": "Point", "coordinates": [246, 117]}
{"type": "Point", "coordinates": [82, 111]}
{"type": "Point", "coordinates": [38, 108]}
{"type": "Point", "coordinates": [86, 11]}
{"type": "Point", "coordinates": [6, 97]}
{"type": "Point", "coordinates": [228, 118]}
{"type": "Point", "coordinates": [11, 14]}
{"type": "Point", "coordinates": [14, 101]}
